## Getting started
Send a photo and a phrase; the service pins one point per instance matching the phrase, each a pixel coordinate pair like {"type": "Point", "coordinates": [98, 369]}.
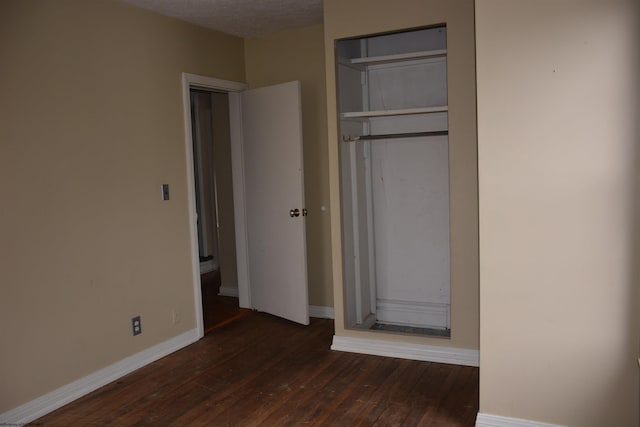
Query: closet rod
{"type": "Point", "coordinates": [349, 138]}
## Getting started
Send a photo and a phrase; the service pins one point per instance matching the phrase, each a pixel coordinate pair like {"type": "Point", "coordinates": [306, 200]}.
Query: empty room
{"type": "Point", "coordinates": [320, 212]}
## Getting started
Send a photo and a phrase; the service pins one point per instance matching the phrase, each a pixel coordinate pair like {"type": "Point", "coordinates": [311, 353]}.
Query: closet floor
{"type": "Point", "coordinates": [412, 330]}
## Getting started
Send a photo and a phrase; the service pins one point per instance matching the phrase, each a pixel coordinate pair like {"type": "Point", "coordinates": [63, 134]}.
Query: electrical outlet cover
{"type": "Point", "coordinates": [136, 326]}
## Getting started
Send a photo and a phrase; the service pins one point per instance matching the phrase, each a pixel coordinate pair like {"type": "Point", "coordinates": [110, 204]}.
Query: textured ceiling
{"type": "Point", "coordinates": [243, 18]}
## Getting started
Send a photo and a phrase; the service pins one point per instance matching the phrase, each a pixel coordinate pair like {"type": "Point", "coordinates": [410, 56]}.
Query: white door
{"type": "Point", "coordinates": [272, 130]}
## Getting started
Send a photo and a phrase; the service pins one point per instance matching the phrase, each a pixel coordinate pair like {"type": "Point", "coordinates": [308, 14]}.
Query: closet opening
{"type": "Point", "coordinates": [394, 174]}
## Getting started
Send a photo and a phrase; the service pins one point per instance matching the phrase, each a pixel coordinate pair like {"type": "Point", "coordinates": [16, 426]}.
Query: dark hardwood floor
{"type": "Point", "coordinates": [217, 310]}
{"type": "Point", "coordinates": [264, 371]}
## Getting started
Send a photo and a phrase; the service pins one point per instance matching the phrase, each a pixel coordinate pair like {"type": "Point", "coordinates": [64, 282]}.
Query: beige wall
{"type": "Point", "coordinates": [558, 162]}
{"type": "Point", "coordinates": [361, 17]}
{"type": "Point", "coordinates": [90, 127]}
{"type": "Point", "coordinates": [299, 55]}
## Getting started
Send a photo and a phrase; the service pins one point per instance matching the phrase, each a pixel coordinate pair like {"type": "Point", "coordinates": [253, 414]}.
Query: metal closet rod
{"type": "Point", "coordinates": [349, 138]}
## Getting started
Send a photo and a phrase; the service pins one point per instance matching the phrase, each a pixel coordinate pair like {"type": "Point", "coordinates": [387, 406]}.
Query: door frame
{"type": "Point", "coordinates": [234, 90]}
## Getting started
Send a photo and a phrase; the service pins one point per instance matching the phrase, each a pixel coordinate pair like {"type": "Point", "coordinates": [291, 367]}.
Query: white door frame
{"type": "Point", "coordinates": [234, 90]}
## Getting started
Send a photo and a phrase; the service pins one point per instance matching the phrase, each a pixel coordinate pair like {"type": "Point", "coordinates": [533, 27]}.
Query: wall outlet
{"type": "Point", "coordinates": [136, 326]}
{"type": "Point", "coordinates": [175, 316]}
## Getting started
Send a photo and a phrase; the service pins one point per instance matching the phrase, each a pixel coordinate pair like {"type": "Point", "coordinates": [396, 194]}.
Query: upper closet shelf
{"type": "Point", "coordinates": [400, 57]}
{"type": "Point", "coordinates": [400, 112]}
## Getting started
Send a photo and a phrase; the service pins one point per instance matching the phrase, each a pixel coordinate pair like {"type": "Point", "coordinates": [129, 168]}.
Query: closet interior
{"type": "Point", "coordinates": [392, 94]}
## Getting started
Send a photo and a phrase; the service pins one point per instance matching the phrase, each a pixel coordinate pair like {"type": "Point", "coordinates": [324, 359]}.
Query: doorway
{"type": "Point", "coordinates": [265, 138]}
{"type": "Point", "coordinates": [213, 194]}
{"type": "Point", "coordinates": [205, 178]}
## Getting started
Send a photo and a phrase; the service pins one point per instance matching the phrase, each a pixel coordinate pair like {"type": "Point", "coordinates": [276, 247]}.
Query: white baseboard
{"type": "Point", "coordinates": [321, 312]}
{"type": "Point", "coordinates": [403, 350]}
{"type": "Point", "coordinates": [208, 266]}
{"type": "Point", "coordinates": [228, 291]}
{"type": "Point", "coordinates": [412, 313]}
{"type": "Point", "coordinates": [487, 420]}
{"type": "Point", "coordinates": [59, 397]}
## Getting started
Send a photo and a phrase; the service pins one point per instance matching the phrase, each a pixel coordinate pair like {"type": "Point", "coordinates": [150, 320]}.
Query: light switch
{"type": "Point", "coordinates": [165, 191]}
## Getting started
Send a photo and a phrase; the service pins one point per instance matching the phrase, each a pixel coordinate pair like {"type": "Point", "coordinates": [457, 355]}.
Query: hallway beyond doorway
{"type": "Point", "coordinates": [218, 310]}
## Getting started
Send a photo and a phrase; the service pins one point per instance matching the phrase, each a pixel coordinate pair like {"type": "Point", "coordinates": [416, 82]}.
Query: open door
{"type": "Point", "coordinates": [266, 161]}
{"type": "Point", "coordinates": [274, 196]}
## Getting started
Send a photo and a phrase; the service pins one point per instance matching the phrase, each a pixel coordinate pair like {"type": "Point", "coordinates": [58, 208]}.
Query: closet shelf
{"type": "Point", "coordinates": [400, 57]}
{"type": "Point", "coordinates": [399, 112]}
{"type": "Point", "coordinates": [349, 138]}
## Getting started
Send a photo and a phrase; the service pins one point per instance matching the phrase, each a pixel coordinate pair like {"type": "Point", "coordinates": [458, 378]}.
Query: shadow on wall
{"type": "Point", "coordinates": [634, 301]}
{"type": "Point", "coordinates": [623, 390]}
{"type": "Point", "coordinates": [634, 277]}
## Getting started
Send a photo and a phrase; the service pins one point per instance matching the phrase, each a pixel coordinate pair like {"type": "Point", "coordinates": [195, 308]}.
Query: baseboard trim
{"type": "Point", "coordinates": [403, 350]}
{"type": "Point", "coordinates": [412, 313]}
{"type": "Point", "coordinates": [208, 266]}
{"type": "Point", "coordinates": [487, 420]}
{"type": "Point", "coordinates": [228, 291]}
{"type": "Point", "coordinates": [321, 311]}
{"type": "Point", "coordinates": [61, 396]}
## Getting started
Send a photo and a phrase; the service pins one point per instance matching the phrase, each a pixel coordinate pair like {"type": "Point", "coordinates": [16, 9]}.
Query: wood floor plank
{"type": "Point", "coordinates": [321, 396]}
{"type": "Point", "coordinates": [265, 371]}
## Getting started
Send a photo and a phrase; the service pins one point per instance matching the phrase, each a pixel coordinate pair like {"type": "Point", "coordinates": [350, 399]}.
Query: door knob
{"type": "Point", "coordinates": [304, 212]}
{"type": "Point", "coordinates": [294, 212]}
